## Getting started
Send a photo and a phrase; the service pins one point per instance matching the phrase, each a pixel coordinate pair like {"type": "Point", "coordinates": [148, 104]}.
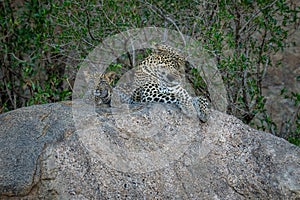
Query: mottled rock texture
{"type": "Point", "coordinates": [43, 156]}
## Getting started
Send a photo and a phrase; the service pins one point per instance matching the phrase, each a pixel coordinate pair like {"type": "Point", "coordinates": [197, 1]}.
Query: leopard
{"type": "Point", "coordinates": [102, 88]}
{"type": "Point", "coordinates": [151, 93]}
{"type": "Point", "coordinates": [157, 79]}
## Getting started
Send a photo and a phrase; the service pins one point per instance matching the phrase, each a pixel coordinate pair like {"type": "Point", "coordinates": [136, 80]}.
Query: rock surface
{"type": "Point", "coordinates": [43, 156]}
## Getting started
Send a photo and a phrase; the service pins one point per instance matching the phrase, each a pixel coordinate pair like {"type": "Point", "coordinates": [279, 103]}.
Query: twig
{"type": "Point", "coordinates": [254, 15]}
{"type": "Point", "coordinates": [161, 14]}
{"type": "Point", "coordinates": [293, 119]}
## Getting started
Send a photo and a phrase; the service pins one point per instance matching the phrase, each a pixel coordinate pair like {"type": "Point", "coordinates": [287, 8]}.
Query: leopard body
{"type": "Point", "coordinates": [158, 78]}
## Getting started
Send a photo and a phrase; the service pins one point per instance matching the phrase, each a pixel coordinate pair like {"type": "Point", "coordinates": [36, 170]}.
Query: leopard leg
{"type": "Point", "coordinates": [184, 101]}
{"type": "Point", "coordinates": [191, 106]}
{"type": "Point", "coordinates": [201, 105]}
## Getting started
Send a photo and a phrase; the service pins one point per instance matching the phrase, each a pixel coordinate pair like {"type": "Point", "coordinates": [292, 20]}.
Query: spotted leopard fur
{"type": "Point", "coordinates": [157, 79]}
{"type": "Point", "coordinates": [102, 88]}
{"type": "Point", "coordinates": [151, 92]}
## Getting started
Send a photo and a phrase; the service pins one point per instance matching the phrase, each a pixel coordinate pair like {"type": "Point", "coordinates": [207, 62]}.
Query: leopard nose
{"type": "Point", "coordinates": [103, 93]}
{"type": "Point", "coordinates": [174, 78]}
{"type": "Point", "coordinates": [171, 77]}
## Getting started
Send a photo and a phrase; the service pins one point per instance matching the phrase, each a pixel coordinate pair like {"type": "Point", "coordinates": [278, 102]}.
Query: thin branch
{"type": "Point", "coordinates": [256, 14]}
{"type": "Point", "coordinates": [161, 14]}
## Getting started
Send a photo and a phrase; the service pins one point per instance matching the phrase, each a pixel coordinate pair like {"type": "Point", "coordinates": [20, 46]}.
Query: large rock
{"type": "Point", "coordinates": [43, 156]}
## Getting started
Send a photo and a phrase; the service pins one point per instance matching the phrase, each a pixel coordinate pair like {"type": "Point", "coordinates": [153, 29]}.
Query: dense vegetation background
{"type": "Point", "coordinates": [42, 44]}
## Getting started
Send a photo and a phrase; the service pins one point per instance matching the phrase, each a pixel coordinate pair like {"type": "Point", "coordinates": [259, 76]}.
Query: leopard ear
{"type": "Point", "coordinates": [111, 76]}
{"type": "Point", "coordinates": [88, 76]}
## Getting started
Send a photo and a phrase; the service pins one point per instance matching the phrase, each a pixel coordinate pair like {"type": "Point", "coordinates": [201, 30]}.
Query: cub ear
{"type": "Point", "coordinates": [111, 76]}
{"type": "Point", "coordinates": [87, 75]}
